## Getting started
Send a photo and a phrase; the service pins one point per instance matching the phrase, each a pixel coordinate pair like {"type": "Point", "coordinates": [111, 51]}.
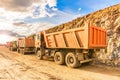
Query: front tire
{"type": "Point", "coordinates": [23, 51]}
{"type": "Point", "coordinates": [39, 54]}
{"type": "Point", "coordinates": [71, 60]}
{"type": "Point", "coordinates": [18, 50]}
{"type": "Point", "coordinates": [59, 58]}
{"type": "Point", "coordinates": [11, 48]}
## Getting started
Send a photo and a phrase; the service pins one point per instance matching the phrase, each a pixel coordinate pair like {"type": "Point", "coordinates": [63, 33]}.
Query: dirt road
{"type": "Point", "coordinates": [15, 66]}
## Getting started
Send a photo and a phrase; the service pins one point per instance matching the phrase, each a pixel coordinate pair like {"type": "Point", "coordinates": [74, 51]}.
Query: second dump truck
{"type": "Point", "coordinates": [26, 45]}
{"type": "Point", "coordinates": [71, 47]}
{"type": "Point", "coordinates": [12, 45]}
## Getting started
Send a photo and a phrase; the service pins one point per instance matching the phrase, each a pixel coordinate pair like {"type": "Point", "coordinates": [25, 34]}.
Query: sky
{"type": "Point", "coordinates": [25, 17]}
{"type": "Point", "coordinates": [84, 6]}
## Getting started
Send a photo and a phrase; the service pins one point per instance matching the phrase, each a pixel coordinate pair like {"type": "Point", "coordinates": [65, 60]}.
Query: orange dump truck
{"type": "Point", "coordinates": [12, 45]}
{"type": "Point", "coordinates": [73, 47]}
{"type": "Point", "coordinates": [8, 44]}
{"type": "Point", "coordinates": [26, 45]}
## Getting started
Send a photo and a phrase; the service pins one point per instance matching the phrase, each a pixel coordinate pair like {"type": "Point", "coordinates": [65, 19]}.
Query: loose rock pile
{"type": "Point", "coordinates": [108, 18]}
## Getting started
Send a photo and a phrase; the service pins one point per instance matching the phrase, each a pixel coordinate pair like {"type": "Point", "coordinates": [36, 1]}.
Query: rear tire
{"type": "Point", "coordinates": [71, 60]}
{"type": "Point", "coordinates": [39, 54]}
{"type": "Point", "coordinates": [23, 51]}
{"type": "Point", "coordinates": [18, 50]}
{"type": "Point", "coordinates": [59, 58]}
{"type": "Point", "coordinates": [11, 49]}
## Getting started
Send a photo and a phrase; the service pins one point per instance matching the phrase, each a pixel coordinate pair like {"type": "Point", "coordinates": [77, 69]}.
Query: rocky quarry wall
{"type": "Point", "coordinates": [108, 18]}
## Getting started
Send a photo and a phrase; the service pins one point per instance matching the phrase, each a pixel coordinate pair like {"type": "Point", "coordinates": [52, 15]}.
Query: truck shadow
{"type": "Point", "coordinates": [101, 69]}
{"type": "Point", "coordinates": [95, 68]}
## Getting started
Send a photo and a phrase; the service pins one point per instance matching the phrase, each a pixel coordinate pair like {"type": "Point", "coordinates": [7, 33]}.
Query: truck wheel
{"type": "Point", "coordinates": [11, 49]}
{"type": "Point", "coordinates": [39, 54]}
{"type": "Point", "coordinates": [59, 58]}
{"type": "Point", "coordinates": [23, 51]}
{"type": "Point", "coordinates": [71, 60]}
{"type": "Point", "coordinates": [18, 50]}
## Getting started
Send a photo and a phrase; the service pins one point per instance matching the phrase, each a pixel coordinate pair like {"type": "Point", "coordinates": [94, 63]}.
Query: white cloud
{"type": "Point", "coordinates": [29, 28]}
{"type": "Point", "coordinates": [40, 8]}
{"type": "Point", "coordinates": [6, 38]}
{"type": "Point", "coordinates": [54, 9]}
{"type": "Point", "coordinates": [51, 3]}
{"type": "Point", "coordinates": [5, 25]}
{"type": "Point", "coordinates": [11, 15]}
{"type": "Point", "coordinates": [79, 9]}
{"type": "Point", "coordinates": [37, 9]}
{"type": "Point", "coordinates": [45, 8]}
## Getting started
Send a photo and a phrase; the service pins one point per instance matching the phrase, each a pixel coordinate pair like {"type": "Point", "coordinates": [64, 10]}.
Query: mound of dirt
{"type": "Point", "coordinates": [108, 18]}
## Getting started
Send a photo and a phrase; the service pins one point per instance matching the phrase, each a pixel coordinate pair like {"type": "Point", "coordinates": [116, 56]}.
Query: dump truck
{"type": "Point", "coordinates": [26, 45]}
{"type": "Point", "coordinates": [12, 45]}
{"type": "Point", "coordinates": [71, 47]}
{"type": "Point", "coordinates": [8, 44]}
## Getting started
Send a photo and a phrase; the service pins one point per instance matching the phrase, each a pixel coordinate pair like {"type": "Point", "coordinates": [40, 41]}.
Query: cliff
{"type": "Point", "coordinates": [108, 18]}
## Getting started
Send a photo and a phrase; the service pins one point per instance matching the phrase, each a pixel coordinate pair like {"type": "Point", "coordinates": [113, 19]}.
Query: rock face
{"type": "Point", "coordinates": [108, 18]}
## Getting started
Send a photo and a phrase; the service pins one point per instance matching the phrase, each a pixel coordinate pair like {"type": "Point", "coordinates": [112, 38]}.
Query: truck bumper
{"type": "Point", "coordinates": [88, 60]}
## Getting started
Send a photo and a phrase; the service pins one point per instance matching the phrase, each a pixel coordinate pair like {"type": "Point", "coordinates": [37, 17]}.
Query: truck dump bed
{"type": "Point", "coordinates": [26, 42]}
{"type": "Point", "coordinates": [86, 37]}
{"type": "Point", "coordinates": [12, 44]}
{"type": "Point", "coordinates": [9, 44]}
